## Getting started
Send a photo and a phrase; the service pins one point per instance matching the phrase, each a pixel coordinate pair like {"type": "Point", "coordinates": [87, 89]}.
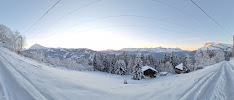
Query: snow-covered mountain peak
{"type": "Point", "coordinates": [155, 50]}
{"type": "Point", "coordinates": [37, 46]}
{"type": "Point", "coordinates": [217, 46]}
{"type": "Point", "coordinates": [211, 44]}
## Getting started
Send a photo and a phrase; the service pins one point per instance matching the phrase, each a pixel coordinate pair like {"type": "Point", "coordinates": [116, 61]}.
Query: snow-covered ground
{"type": "Point", "coordinates": [26, 79]}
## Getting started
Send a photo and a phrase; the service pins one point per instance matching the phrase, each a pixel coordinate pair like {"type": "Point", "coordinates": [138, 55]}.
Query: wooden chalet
{"type": "Point", "coordinates": [179, 68]}
{"type": "Point", "coordinates": [149, 71]}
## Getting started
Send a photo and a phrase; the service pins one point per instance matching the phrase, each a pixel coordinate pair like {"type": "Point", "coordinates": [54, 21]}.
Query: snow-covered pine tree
{"type": "Point", "coordinates": [143, 59]}
{"type": "Point", "coordinates": [205, 59]}
{"type": "Point", "coordinates": [228, 55]}
{"type": "Point", "coordinates": [169, 68]}
{"type": "Point", "coordinates": [106, 63]}
{"type": "Point", "coordinates": [177, 60]}
{"type": "Point", "coordinates": [150, 60]}
{"type": "Point", "coordinates": [112, 64]}
{"type": "Point", "coordinates": [137, 73]}
{"type": "Point", "coordinates": [198, 60]}
{"type": "Point", "coordinates": [173, 60]}
{"type": "Point", "coordinates": [162, 67]}
{"type": "Point", "coordinates": [155, 62]}
{"type": "Point", "coordinates": [120, 67]}
{"type": "Point", "coordinates": [220, 56]}
{"type": "Point", "coordinates": [130, 66]}
{"type": "Point", "coordinates": [187, 64]}
{"type": "Point", "coordinates": [95, 62]}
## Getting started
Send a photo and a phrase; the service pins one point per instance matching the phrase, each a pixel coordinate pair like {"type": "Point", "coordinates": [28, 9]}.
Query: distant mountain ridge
{"type": "Point", "coordinates": [37, 46]}
{"type": "Point", "coordinates": [82, 53]}
{"type": "Point", "coordinates": [217, 46]}
{"type": "Point", "coordinates": [154, 50]}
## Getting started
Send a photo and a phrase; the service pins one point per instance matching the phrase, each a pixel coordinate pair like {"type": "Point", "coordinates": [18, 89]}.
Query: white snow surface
{"type": "Point", "coordinates": [26, 79]}
{"type": "Point", "coordinates": [180, 66]}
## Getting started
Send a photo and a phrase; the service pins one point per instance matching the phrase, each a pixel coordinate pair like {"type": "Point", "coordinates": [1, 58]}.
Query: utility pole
{"type": "Point", "coordinates": [21, 45]}
{"type": "Point", "coordinates": [233, 47]}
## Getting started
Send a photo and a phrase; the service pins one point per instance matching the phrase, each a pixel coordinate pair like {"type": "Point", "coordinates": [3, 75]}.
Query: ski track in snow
{"type": "Point", "coordinates": [25, 79]}
{"type": "Point", "coordinates": [17, 87]}
{"type": "Point", "coordinates": [217, 85]}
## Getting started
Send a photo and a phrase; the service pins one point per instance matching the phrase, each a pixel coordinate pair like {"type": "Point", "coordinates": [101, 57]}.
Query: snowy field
{"type": "Point", "coordinates": [26, 79]}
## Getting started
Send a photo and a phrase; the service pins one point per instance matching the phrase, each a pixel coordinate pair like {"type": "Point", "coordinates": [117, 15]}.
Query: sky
{"type": "Point", "coordinates": [116, 24]}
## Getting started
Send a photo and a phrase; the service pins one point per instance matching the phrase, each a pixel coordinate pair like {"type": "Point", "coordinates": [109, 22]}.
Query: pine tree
{"type": "Point", "coordinates": [187, 64]}
{"type": "Point", "coordinates": [220, 56]}
{"type": "Point", "coordinates": [150, 60]}
{"type": "Point", "coordinates": [130, 66]}
{"type": "Point", "coordinates": [169, 68]}
{"type": "Point", "coordinates": [95, 62]}
{"type": "Point", "coordinates": [112, 64]}
{"type": "Point", "coordinates": [156, 62]}
{"type": "Point", "coordinates": [198, 60]}
{"type": "Point", "coordinates": [137, 72]}
{"type": "Point", "coordinates": [205, 59]}
{"type": "Point", "coordinates": [120, 67]}
{"type": "Point", "coordinates": [173, 60]}
{"type": "Point", "coordinates": [143, 59]}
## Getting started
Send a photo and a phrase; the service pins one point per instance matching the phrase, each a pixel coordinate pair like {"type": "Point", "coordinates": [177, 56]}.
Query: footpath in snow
{"type": "Point", "coordinates": [26, 79]}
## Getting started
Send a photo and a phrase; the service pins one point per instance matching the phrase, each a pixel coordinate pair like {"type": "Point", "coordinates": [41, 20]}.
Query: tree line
{"type": "Point", "coordinates": [131, 64]}
{"type": "Point", "coordinates": [13, 40]}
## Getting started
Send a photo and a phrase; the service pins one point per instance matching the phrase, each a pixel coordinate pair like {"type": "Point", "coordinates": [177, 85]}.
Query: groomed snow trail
{"type": "Point", "coordinates": [25, 79]}
{"type": "Point", "coordinates": [218, 85]}
{"type": "Point", "coordinates": [16, 87]}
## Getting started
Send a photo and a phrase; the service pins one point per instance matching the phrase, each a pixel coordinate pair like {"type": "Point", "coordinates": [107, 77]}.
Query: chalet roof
{"type": "Point", "coordinates": [144, 68]}
{"type": "Point", "coordinates": [180, 66]}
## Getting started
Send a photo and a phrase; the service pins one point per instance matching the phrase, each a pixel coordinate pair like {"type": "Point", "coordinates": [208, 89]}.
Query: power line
{"type": "Point", "coordinates": [124, 25]}
{"type": "Point", "coordinates": [137, 16]}
{"type": "Point", "coordinates": [176, 9]}
{"type": "Point", "coordinates": [184, 12]}
{"type": "Point", "coordinates": [70, 14]}
{"type": "Point", "coordinates": [43, 16]}
{"type": "Point", "coordinates": [210, 17]}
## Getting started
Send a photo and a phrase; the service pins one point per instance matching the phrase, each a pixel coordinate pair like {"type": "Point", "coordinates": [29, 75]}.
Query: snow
{"type": "Point", "coordinates": [163, 73]}
{"type": "Point", "coordinates": [180, 66]}
{"type": "Point", "coordinates": [144, 68]}
{"type": "Point", "coordinates": [26, 79]}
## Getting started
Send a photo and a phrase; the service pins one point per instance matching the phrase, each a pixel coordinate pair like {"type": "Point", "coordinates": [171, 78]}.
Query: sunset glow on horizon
{"type": "Point", "coordinates": [118, 24]}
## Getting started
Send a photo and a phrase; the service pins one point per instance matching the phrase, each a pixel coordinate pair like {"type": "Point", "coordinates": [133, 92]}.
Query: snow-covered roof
{"type": "Point", "coordinates": [144, 68]}
{"type": "Point", "coordinates": [180, 66]}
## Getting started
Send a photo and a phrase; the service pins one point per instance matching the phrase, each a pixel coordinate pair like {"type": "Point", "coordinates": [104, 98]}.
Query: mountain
{"type": "Point", "coordinates": [83, 53]}
{"type": "Point", "coordinates": [217, 46]}
{"type": "Point", "coordinates": [37, 46]}
{"type": "Point", "coordinates": [153, 50]}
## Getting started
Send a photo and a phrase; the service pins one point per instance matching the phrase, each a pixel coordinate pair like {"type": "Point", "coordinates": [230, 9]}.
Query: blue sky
{"type": "Point", "coordinates": [116, 24]}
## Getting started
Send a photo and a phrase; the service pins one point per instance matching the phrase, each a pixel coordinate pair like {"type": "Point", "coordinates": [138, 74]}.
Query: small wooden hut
{"type": "Point", "coordinates": [149, 71]}
{"type": "Point", "coordinates": [179, 68]}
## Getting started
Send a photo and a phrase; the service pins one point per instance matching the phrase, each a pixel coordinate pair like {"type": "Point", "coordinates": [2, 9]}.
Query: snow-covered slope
{"type": "Point", "coordinates": [217, 46]}
{"type": "Point", "coordinates": [37, 46]}
{"type": "Point", "coordinates": [26, 79]}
